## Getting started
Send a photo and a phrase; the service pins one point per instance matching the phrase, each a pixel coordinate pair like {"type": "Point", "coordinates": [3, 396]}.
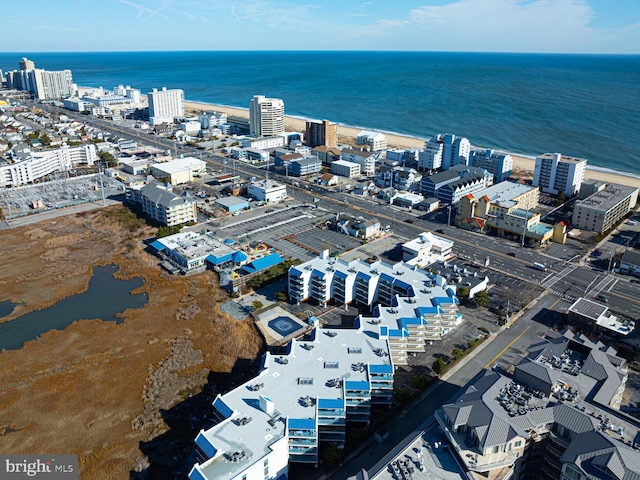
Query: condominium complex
{"type": "Point", "coordinates": [444, 151]}
{"type": "Point", "coordinates": [212, 119]}
{"type": "Point", "coordinates": [601, 210]}
{"type": "Point", "coordinates": [555, 173]}
{"type": "Point", "coordinates": [35, 165]}
{"type": "Point", "coordinates": [304, 395]}
{"type": "Point", "coordinates": [499, 164]}
{"type": "Point", "coordinates": [160, 203]}
{"type": "Point", "coordinates": [43, 84]}
{"type": "Point", "coordinates": [165, 105]}
{"type": "Point", "coordinates": [506, 208]}
{"type": "Point", "coordinates": [345, 168]}
{"type": "Point", "coordinates": [376, 141]}
{"type": "Point", "coordinates": [323, 133]}
{"type": "Point", "coordinates": [556, 418]}
{"type": "Point", "coordinates": [410, 306]}
{"type": "Point", "coordinates": [266, 116]}
{"type": "Point", "coordinates": [365, 159]}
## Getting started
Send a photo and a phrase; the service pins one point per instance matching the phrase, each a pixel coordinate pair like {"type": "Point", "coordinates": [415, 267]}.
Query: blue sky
{"type": "Point", "coordinates": [555, 26]}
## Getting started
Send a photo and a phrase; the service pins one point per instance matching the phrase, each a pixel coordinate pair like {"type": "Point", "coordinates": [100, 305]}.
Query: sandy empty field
{"type": "Point", "coordinates": [97, 389]}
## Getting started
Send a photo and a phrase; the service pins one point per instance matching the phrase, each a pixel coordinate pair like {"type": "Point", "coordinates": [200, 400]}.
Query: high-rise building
{"type": "Point", "coordinates": [165, 105]}
{"type": "Point", "coordinates": [500, 165]}
{"type": "Point", "coordinates": [556, 173]}
{"type": "Point", "coordinates": [26, 64]}
{"type": "Point", "coordinates": [374, 140]}
{"type": "Point", "coordinates": [266, 116]}
{"type": "Point", "coordinates": [444, 151]}
{"type": "Point", "coordinates": [323, 133]}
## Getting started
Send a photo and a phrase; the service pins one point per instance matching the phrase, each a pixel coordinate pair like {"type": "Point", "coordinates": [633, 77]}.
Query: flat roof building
{"type": "Point", "coordinates": [603, 209]}
{"type": "Point", "coordinates": [593, 316]}
{"type": "Point", "coordinates": [323, 133]}
{"type": "Point", "coordinates": [345, 168]}
{"type": "Point", "coordinates": [426, 249]}
{"type": "Point", "coordinates": [266, 116]}
{"type": "Point", "coordinates": [165, 105]}
{"type": "Point", "coordinates": [267, 190]}
{"type": "Point", "coordinates": [555, 173]}
{"type": "Point", "coordinates": [232, 204]}
{"type": "Point", "coordinates": [374, 140]}
{"type": "Point", "coordinates": [181, 170]}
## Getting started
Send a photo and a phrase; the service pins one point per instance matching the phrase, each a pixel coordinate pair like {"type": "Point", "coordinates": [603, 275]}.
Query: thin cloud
{"type": "Point", "coordinates": [142, 9]}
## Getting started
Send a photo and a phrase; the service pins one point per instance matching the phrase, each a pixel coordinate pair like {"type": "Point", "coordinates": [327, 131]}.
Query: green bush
{"type": "Point", "coordinates": [457, 353]}
{"type": "Point", "coordinates": [166, 231]}
{"type": "Point", "coordinates": [419, 382]}
{"type": "Point", "coordinates": [482, 298]}
{"type": "Point", "coordinates": [257, 305]}
{"type": "Point", "coordinates": [439, 366]}
{"type": "Point", "coordinates": [281, 296]}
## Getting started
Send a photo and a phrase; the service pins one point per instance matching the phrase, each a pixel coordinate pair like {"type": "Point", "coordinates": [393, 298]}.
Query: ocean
{"type": "Point", "coordinates": [580, 105]}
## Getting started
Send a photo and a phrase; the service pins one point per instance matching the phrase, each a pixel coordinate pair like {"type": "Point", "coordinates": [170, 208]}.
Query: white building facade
{"type": "Point", "coordinates": [267, 190]}
{"type": "Point", "coordinates": [165, 105]}
{"type": "Point", "coordinates": [345, 168]}
{"type": "Point", "coordinates": [266, 116]}
{"type": "Point", "coordinates": [556, 173]}
{"type": "Point", "coordinates": [374, 140]}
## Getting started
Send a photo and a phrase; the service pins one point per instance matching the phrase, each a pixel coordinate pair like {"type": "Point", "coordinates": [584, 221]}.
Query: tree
{"type": "Point", "coordinates": [419, 382]}
{"type": "Point", "coordinates": [482, 298]}
{"type": "Point", "coordinates": [457, 353]}
{"type": "Point", "coordinates": [107, 158]}
{"type": "Point", "coordinates": [439, 366]}
{"type": "Point", "coordinates": [562, 197]}
{"type": "Point", "coordinates": [462, 292]}
{"type": "Point", "coordinates": [281, 296]}
{"type": "Point", "coordinates": [257, 305]}
{"type": "Point", "coordinates": [1, 214]}
{"type": "Point", "coordinates": [166, 231]}
{"type": "Point", "coordinates": [44, 138]}
{"type": "Point", "coordinates": [403, 396]}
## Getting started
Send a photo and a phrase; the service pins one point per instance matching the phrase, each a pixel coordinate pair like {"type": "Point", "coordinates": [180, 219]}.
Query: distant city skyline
{"type": "Point", "coordinates": [520, 26]}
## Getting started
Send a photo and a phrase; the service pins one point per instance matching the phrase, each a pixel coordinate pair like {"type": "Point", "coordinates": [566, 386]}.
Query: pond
{"type": "Point", "coordinates": [105, 298]}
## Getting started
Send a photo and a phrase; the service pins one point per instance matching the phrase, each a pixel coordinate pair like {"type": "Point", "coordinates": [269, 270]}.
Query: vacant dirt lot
{"type": "Point", "coordinates": [98, 389]}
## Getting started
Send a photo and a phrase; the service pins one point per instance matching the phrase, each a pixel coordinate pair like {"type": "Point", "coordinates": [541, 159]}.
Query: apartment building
{"type": "Point", "coordinates": [376, 141]}
{"type": "Point", "coordinates": [498, 164]}
{"type": "Point", "coordinates": [303, 396]}
{"type": "Point", "coordinates": [323, 134]}
{"type": "Point", "coordinates": [410, 306]}
{"type": "Point", "coordinates": [160, 203]}
{"type": "Point", "coordinates": [264, 143]}
{"type": "Point", "coordinates": [365, 159]}
{"type": "Point", "coordinates": [444, 151]}
{"type": "Point", "coordinates": [556, 418]}
{"type": "Point", "coordinates": [555, 173]}
{"type": "Point", "coordinates": [165, 105]}
{"type": "Point", "coordinates": [601, 210]}
{"type": "Point", "coordinates": [212, 119]}
{"type": "Point", "coordinates": [266, 116]}
{"type": "Point", "coordinates": [328, 155]}
{"type": "Point", "coordinates": [35, 165]}
{"type": "Point", "coordinates": [305, 166]}
{"type": "Point", "coordinates": [345, 168]}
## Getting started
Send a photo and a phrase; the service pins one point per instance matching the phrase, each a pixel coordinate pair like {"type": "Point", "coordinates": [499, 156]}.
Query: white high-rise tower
{"type": "Point", "coordinates": [266, 116]}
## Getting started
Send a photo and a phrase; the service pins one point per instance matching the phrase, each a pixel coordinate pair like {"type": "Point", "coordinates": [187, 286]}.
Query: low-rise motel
{"type": "Point", "coordinates": [307, 393]}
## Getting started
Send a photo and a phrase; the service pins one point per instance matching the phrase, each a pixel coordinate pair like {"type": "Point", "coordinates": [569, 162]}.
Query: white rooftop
{"type": "Point", "coordinates": [191, 245]}
{"type": "Point", "coordinates": [180, 164]}
{"type": "Point", "coordinates": [505, 193]}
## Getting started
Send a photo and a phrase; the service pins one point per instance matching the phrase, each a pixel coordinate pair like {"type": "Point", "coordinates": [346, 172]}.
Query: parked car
{"type": "Point", "coordinates": [512, 254]}
{"type": "Point", "coordinates": [269, 210]}
{"type": "Point", "coordinates": [602, 298]}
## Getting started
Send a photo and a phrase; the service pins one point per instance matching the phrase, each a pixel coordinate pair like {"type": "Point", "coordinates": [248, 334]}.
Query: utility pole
{"type": "Point", "coordinates": [524, 231]}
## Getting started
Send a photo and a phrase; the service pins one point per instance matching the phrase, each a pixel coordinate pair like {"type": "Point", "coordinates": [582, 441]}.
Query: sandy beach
{"type": "Point", "coordinates": [522, 166]}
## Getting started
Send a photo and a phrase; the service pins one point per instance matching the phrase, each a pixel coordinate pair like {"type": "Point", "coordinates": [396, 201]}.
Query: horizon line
{"type": "Point", "coordinates": [328, 51]}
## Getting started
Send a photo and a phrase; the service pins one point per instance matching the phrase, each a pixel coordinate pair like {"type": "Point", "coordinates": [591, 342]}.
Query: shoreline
{"type": "Point", "coordinates": [523, 164]}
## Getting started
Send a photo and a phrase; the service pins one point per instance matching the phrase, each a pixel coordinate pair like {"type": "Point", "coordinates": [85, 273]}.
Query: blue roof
{"type": "Point", "coordinates": [340, 274]}
{"type": "Point", "coordinates": [357, 385]}
{"type": "Point", "coordinates": [380, 368]}
{"type": "Point", "coordinates": [387, 277]}
{"type": "Point", "coordinates": [330, 403]}
{"type": "Point", "coordinates": [317, 273]}
{"type": "Point", "coordinates": [211, 258]}
{"type": "Point", "coordinates": [363, 275]}
{"type": "Point", "coordinates": [263, 263]}
{"type": "Point", "coordinates": [228, 241]}
{"type": "Point", "coordinates": [239, 256]}
{"type": "Point", "coordinates": [158, 246]}
{"type": "Point", "coordinates": [301, 424]}
{"type": "Point", "coordinates": [443, 300]}
{"type": "Point", "coordinates": [398, 333]}
{"type": "Point", "coordinates": [406, 321]}
{"type": "Point", "coordinates": [403, 285]}
{"type": "Point", "coordinates": [222, 407]}
{"type": "Point", "coordinates": [426, 310]}
{"type": "Point", "coordinates": [296, 272]}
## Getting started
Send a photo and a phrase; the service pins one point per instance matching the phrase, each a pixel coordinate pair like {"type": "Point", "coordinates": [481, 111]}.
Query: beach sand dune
{"type": "Point", "coordinates": [522, 165]}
